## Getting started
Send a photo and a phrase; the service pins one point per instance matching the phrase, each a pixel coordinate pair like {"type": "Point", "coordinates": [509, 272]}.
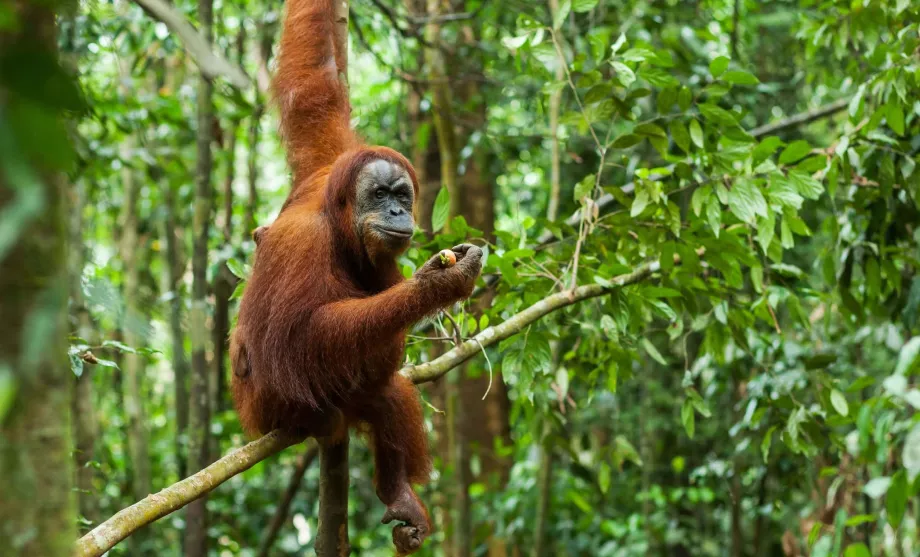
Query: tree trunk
{"type": "Point", "coordinates": [37, 501]}
{"type": "Point", "coordinates": [84, 411]}
{"type": "Point", "coordinates": [174, 271]}
{"type": "Point", "coordinates": [133, 329]}
{"type": "Point", "coordinates": [196, 539]}
{"type": "Point", "coordinates": [555, 101]}
{"type": "Point", "coordinates": [225, 281]}
{"type": "Point", "coordinates": [332, 527]}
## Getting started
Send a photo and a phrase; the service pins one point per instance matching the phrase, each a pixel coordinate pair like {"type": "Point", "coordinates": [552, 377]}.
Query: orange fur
{"type": "Point", "coordinates": [321, 327]}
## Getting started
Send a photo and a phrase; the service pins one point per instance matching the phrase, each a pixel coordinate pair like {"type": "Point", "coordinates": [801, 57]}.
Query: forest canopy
{"type": "Point", "coordinates": [697, 329]}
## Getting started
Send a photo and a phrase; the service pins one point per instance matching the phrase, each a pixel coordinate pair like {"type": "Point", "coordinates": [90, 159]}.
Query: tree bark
{"type": "Point", "coordinates": [555, 102]}
{"type": "Point", "coordinates": [175, 264]}
{"type": "Point", "coordinates": [196, 540]}
{"type": "Point", "coordinates": [37, 501]}
{"type": "Point", "coordinates": [225, 282]}
{"type": "Point", "coordinates": [84, 411]}
{"type": "Point", "coordinates": [133, 326]}
{"type": "Point", "coordinates": [332, 528]}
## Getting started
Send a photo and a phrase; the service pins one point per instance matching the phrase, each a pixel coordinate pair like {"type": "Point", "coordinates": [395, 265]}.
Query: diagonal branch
{"type": "Point", "coordinates": [157, 505]}
{"type": "Point", "coordinates": [211, 64]}
{"type": "Point", "coordinates": [173, 498]}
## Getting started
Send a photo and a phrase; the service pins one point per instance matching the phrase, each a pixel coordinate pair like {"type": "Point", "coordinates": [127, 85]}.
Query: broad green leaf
{"type": "Point", "coordinates": [581, 6]}
{"type": "Point", "coordinates": [718, 66]}
{"type": "Point", "coordinates": [714, 215]}
{"type": "Point", "coordinates": [738, 77]}
{"type": "Point", "coordinates": [839, 402]}
{"type": "Point", "coordinates": [579, 501]}
{"type": "Point", "coordinates": [680, 135]}
{"type": "Point", "coordinates": [805, 184]}
{"type": "Point", "coordinates": [585, 187]}
{"type": "Point", "coordinates": [766, 230]}
{"type": "Point", "coordinates": [765, 444]}
{"type": "Point", "coordinates": [236, 268]}
{"type": "Point", "coordinates": [688, 418]}
{"type": "Point", "coordinates": [513, 43]}
{"type": "Point", "coordinates": [857, 550]}
{"type": "Point", "coordinates": [907, 357]}
{"type": "Point", "coordinates": [699, 198]}
{"type": "Point", "coordinates": [696, 133]}
{"type": "Point", "coordinates": [896, 118]}
{"type": "Point", "coordinates": [746, 201]}
{"type": "Point", "coordinates": [441, 210]}
{"type": "Point", "coordinates": [603, 477]}
{"type": "Point", "coordinates": [896, 501]}
{"type": "Point", "coordinates": [624, 75]}
{"type": "Point", "coordinates": [910, 455]}
{"type": "Point", "coordinates": [653, 352]}
{"type": "Point", "coordinates": [794, 151]}
{"type": "Point", "coordinates": [717, 115]}
{"type": "Point", "coordinates": [559, 17]}
{"type": "Point", "coordinates": [625, 141]}
{"type": "Point", "coordinates": [639, 203]}
{"type": "Point", "coordinates": [651, 130]}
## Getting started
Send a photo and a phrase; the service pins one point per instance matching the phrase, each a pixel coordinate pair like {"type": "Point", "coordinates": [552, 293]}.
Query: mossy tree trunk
{"type": "Point", "coordinates": [36, 484]}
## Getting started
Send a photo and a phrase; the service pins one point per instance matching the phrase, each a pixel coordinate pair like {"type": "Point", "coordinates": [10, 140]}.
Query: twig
{"type": "Point", "coordinates": [210, 63]}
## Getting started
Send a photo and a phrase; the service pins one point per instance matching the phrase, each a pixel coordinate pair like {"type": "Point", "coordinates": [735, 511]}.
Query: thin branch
{"type": "Point", "coordinates": [210, 63]}
{"type": "Point", "coordinates": [801, 118]}
{"type": "Point", "coordinates": [434, 369]}
{"type": "Point", "coordinates": [157, 505]}
{"type": "Point", "coordinates": [173, 498]}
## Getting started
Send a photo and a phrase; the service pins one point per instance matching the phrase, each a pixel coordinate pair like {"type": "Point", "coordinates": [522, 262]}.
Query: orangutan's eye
{"type": "Point", "coordinates": [380, 194]}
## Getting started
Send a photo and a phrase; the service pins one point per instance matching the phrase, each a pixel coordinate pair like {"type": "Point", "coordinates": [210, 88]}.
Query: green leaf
{"type": "Point", "coordinates": [765, 444]}
{"type": "Point", "coordinates": [688, 418]}
{"type": "Point", "coordinates": [603, 477]}
{"type": "Point", "coordinates": [579, 501]}
{"type": "Point", "coordinates": [910, 456]}
{"type": "Point", "coordinates": [625, 76]}
{"type": "Point", "coordinates": [839, 402]}
{"type": "Point", "coordinates": [717, 115]}
{"type": "Point", "coordinates": [805, 184]}
{"type": "Point", "coordinates": [718, 66]}
{"type": "Point", "coordinates": [581, 6]}
{"type": "Point", "coordinates": [738, 77]}
{"type": "Point", "coordinates": [746, 201]}
{"type": "Point", "coordinates": [653, 352]}
{"type": "Point", "coordinates": [559, 17]}
{"type": "Point", "coordinates": [857, 550]}
{"type": "Point", "coordinates": [795, 151]}
{"type": "Point", "coordinates": [441, 210]}
{"type": "Point", "coordinates": [699, 198]}
{"type": "Point", "coordinates": [680, 135]}
{"type": "Point", "coordinates": [237, 268]}
{"type": "Point", "coordinates": [896, 118]}
{"type": "Point", "coordinates": [696, 133]}
{"type": "Point", "coordinates": [514, 43]}
{"type": "Point", "coordinates": [625, 141]}
{"type": "Point", "coordinates": [714, 215]}
{"type": "Point", "coordinates": [907, 357]}
{"type": "Point", "coordinates": [860, 519]}
{"type": "Point", "coordinates": [585, 187]}
{"type": "Point", "coordinates": [650, 130]}
{"type": "Point", "coordinates": [639, 203]}
{"type": "Point", "coordinates": [896, 502]}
